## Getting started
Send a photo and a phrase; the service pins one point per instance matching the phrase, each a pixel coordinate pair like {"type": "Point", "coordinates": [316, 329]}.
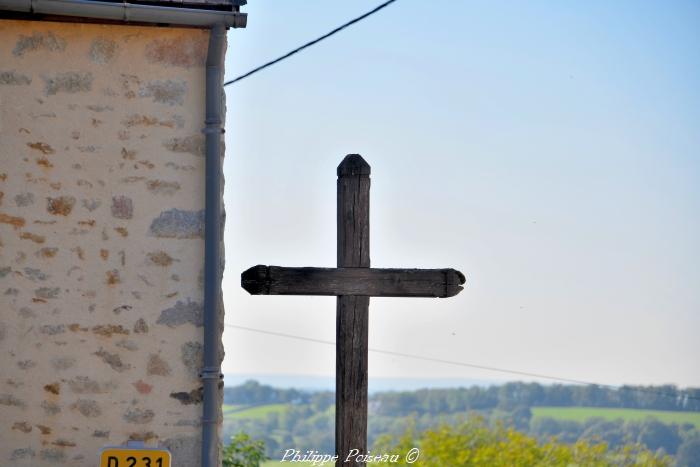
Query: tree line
{"type": "Point", "coordinates": [507, 397]}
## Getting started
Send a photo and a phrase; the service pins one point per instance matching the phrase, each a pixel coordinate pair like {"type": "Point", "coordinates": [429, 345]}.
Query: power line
{"type": "Point", "coordinates": [309, 44]}
{"type": "Point", "coordinates": [467, 365]}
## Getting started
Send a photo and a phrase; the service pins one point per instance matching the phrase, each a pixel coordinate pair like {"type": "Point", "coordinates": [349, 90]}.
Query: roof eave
{"type": "Point", "coordinates": [128, 12]}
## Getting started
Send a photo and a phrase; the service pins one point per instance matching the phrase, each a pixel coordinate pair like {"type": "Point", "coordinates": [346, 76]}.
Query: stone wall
{"type": "Point", "coordinates": [101, 240]}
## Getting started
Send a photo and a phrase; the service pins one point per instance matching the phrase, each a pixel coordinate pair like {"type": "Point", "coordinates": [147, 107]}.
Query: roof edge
{"type": "Point", "coordinates": [128, 12]}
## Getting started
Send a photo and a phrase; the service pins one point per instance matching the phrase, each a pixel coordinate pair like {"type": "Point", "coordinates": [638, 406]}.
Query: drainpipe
{"type": "Point", "coordinates": [211, 372]}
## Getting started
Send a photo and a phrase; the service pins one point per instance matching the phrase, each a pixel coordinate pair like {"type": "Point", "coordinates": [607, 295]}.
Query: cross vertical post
{"type": "Point", "coordinates": [352, 311]}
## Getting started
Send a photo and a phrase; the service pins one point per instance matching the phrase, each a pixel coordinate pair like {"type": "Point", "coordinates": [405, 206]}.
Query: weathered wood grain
{"type": "Point", "coordinates": [352, 312]}
{"type": "Point", "coordinates": [353, 212]}
{"type": "Point", "coordinates": [370, 282]}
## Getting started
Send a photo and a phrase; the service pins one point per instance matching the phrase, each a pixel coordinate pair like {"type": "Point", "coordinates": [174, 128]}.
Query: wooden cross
{"type": "Point", "coordinates": [353, 282]}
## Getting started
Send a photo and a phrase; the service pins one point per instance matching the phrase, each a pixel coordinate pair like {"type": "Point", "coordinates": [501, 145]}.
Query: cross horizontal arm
{"type": "Point", "coordinates": [373, 282]}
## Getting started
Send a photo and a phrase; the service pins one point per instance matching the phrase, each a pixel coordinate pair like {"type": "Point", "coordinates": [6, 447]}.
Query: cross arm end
{"type": "Point", "coordinates": [256, 280]}
{"type": "Point", "coordinates": [454, 280]}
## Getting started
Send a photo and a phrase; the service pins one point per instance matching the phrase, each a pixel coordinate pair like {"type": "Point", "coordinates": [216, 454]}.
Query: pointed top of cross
{"type": "Point", "coordinates": [353, 164]}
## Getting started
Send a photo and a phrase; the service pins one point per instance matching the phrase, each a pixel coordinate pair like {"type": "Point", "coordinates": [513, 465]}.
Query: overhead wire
{"type": "Point", "coordinates": [310, 43]}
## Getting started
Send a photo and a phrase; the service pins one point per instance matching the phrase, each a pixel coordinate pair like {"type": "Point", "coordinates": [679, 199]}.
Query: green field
{"type": "Point", "coordinates": [239, 412]}
{"type": "Point", "coordinates": [578, 414]}
{"type": "Point", "coordinates": [581, 414]}
{"type": "Point", "coordinates": [232, 408]}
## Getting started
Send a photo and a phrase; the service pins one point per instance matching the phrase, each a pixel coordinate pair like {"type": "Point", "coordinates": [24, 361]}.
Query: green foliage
{"type": "Point", "coordinates": [244, 452]}
{"type": "Point", "coordinates": [510, 396]}
{"type": "Point", "coordinates": [474, 443]}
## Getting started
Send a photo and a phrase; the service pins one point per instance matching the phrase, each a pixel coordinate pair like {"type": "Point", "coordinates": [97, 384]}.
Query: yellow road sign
{"type": "Point", "coordinates": [130, 457]}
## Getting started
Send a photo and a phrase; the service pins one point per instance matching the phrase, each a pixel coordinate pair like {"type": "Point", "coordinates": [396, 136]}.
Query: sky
{"type": "Point", "coordinates": [548, 150]}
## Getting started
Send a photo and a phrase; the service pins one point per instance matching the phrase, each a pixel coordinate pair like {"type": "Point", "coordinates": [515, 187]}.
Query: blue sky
{"type": "Point", "coordinates": [549, 150]}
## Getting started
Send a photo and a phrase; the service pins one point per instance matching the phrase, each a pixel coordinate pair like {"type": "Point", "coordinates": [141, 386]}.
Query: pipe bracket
{"type": "Point", "coordinates": [211, 373]}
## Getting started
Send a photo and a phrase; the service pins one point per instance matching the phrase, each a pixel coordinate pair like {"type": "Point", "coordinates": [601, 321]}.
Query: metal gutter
{"type": "Point", "coordinates": [211, 372]}
{"type": "Point", "coordinates": [128, 12]}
